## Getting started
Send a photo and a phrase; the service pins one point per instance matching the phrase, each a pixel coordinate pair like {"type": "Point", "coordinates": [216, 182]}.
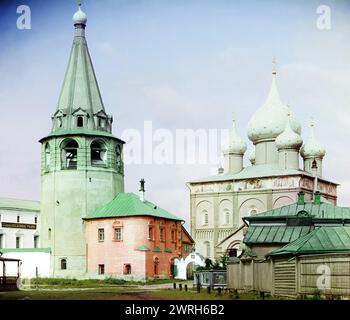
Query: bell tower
{"type": "Point", "coordinates": [81, 161]}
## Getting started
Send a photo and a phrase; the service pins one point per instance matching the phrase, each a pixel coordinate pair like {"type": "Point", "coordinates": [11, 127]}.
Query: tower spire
{"type": "Point", "coordinates": [80, 104]}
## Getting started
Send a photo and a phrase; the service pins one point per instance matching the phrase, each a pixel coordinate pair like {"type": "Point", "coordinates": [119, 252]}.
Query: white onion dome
{"type": "Point", "coordinates": [289, 139]}
{"type": "Point", "coordinates": [79, 17]}
{"type": "Point", "coordinates": [236, 143]}
{"type": "Point", "coordinates": [252, 156]}
{"type": "Point", "coordinates": [312, 148]}
{"type": "Point", "coordinates": [270, 119]}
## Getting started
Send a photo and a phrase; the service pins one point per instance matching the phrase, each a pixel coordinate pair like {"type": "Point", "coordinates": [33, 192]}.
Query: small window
{"type": "Point", "coordinates": [18, 219]}
{"type": "Point", "coordinates": [64, 264]}
{"type": "Point", "coordinates": [227, 216]}
{"type": "Point", "coordinates": [1, 241]}
{"type": "Point", "coordinates": [18, 242]}
{"type": "Point", "coordinates": [101, 269]}
{"type": "Point", "coordinates": [118, 234]}
{"type": "Point", "coordinates": [150, 233]}
{"type": "Point", "coordinates": [80, 122]}
{"type": "Point", "coordinates": [155, 269]}
{"type": "Point", "coordinates": [205, 217]}
{"type": "Point", "coordinates": [36, 220]}
{"type": "Point", "coordinates": [172, 235]}
{"type": "Point", "coordinates": [119, 159]}
{"type": "Point", "coordinates": [47, 156]}
{"type": "Point", "coordinates": [101, 235]}
{"type": "Point", "coordinates": [36, 241]}
{"type": "Point", "coordinates": [207, 248]}
{"type": "Point", "coordinates": [187, 248]}
{"type": "Point", "coordinates": [161, 234]}
{"type": "Point", "coordinates": [49, 233]}
{"type": "Point", "coordinates": [127, 268]}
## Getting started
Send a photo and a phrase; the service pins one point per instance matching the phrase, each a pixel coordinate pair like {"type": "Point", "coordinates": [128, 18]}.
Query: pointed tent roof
{"type": "Point", "coordinates": [80, 89]}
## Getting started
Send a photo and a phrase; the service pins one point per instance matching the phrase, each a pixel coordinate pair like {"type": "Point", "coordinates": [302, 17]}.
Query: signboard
{"type": "Point", "coordinates": [18, 225]}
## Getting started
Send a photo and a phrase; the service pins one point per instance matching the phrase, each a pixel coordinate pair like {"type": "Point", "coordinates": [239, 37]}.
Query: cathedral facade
{"type": "Point", "coordinates": [274, 178]}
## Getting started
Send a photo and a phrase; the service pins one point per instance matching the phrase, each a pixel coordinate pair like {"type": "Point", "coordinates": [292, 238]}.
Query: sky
{"type": "Point", "coordinates": [182, 64]}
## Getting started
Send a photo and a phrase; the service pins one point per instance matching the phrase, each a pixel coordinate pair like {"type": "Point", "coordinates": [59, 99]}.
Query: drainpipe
{"type": "Point", "coordinates": [314, 170]}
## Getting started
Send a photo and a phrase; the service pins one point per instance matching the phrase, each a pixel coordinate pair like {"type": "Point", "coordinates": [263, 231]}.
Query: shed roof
{"type": "Point", "coordinates": [275, 234]}
{"type": "Point", "coordinates": [7, 250]}
{"type": "Point", "coordinates": [19, 204]}
{"type": "Point", "coordinates": [320, 240]}
{"type": "Point", "coordinates": [323, 210]}
{"type": "Point", "coordinates": [129, 204]}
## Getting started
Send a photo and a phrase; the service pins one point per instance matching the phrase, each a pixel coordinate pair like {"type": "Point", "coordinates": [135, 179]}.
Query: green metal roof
{"type": "Point", "coordinates": [157, 249]}
{"type": "Point", "coordinates": [323, 210]}
{"type": "Point", "coordinates": [275, 234]}
{"type": "Point", "coordinates": [18, 204]}
{"type": "Point", "coordinates": [167, 250]}
{"type": "Point", "coordinates": [320, 240]}
{"type": "Point", "coordinates": [129, 204]}
{"type": "Point", "coordinates": [81, 131]}
{"type": "Point", "coordinates": [7, 250]}
{"type": "Point", "coordinates": [143, 248]}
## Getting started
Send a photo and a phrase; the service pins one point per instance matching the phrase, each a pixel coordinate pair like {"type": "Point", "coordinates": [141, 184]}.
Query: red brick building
{"type": "Point", "coordinates": [133, 238]}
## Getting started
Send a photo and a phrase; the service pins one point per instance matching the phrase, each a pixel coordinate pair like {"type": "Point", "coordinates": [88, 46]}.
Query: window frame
{"type": "Point", "coordinates": [63, 263]}
{"type": "Point", "coordinates": [101, 269]}
{"type": "Point", "coordinates": [101, 234]}
{"type": "Point", "coordinates": [120, 233]}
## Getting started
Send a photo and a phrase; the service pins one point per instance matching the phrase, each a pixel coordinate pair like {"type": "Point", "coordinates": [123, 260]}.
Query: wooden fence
{"type": "Point", "coordinates": [327, 275]}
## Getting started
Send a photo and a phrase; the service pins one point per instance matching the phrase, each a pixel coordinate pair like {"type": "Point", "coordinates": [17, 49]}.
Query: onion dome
{"type": "Point", "coordinates": [236, 143]}
{"type": "Point", "coordinates": [312, 148]}
{"type": "Point", "coordinates": [270, 119]}
{"type": "Point", "coordinates": [79, 17]}
{"type": "Point", "coordinates": [289, 139]}
{"type": "Point", "coordinates": [252, 156]}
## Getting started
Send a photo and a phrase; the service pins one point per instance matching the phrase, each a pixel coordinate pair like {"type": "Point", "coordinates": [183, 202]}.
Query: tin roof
{"type": "Point", "coordinates": [19, 204]}
{"type": "Point", "coordinates": [323, 210]}
{"type": "Point", "coordinates": [320, 240]}
{"type": "Point", "coordinates": [129, 204]}
{"type": "Point", "coordinates": [275, 234]}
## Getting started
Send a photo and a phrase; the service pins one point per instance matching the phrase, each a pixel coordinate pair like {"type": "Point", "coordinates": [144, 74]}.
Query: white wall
{"type": "Point", "coordinates": [30, 260]}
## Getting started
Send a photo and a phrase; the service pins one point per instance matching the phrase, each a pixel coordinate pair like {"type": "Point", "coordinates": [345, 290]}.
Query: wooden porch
{"type": "Point", "coordinates": [9, 282]}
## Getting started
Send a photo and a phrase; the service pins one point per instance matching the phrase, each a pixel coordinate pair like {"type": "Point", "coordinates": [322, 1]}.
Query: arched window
{"type": "Point", "coordinates": [207, 248]}
{"type": "Point", "coordinates": [98, 153]}
{"type": "Point", "coordinates": [80, 122]}
{"type": "Point", "coordinates": [119, 160]}
{"type": "Point", "coordinates": [70, 154]}
{"type": "Point", "coordinates": [47, 156]}
{"type": "Point", "coordinates": [226, 216]}
{"type": "Point", "coordinates": [205, 217]}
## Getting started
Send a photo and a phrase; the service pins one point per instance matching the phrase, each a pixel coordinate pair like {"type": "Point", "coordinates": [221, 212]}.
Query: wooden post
{"type": "Point", "coordinates": [36, 278]}
{"type": "Point", "coordinates": [174, 285]}
{"type": "Point", "coordinates": [186, 287]}
{"type": "Point", "coordinates": [180, 286]}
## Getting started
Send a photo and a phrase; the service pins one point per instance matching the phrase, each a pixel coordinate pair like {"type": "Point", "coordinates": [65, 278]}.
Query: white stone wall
{"type": "Point", "coordinates": [9, 235]}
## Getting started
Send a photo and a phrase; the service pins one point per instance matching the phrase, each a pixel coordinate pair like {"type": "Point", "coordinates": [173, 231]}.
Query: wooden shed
{"type": "Point", "coordinates": [9, 282]}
